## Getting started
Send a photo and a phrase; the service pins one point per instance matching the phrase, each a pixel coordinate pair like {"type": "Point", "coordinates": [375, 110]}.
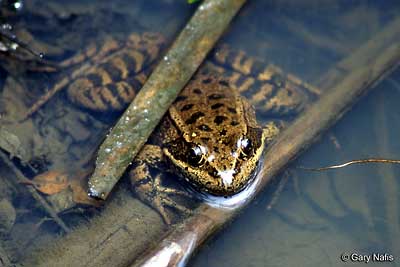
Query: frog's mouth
{"type": "Point", "coordinates": [206, 179]}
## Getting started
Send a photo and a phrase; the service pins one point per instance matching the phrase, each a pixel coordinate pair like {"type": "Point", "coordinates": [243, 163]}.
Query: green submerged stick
{"type": "Point", "coordinates": [170, 76]}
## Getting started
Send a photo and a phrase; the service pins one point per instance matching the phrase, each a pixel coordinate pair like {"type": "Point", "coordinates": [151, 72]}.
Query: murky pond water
{"type": "Point", "coordinates": [46, 218]}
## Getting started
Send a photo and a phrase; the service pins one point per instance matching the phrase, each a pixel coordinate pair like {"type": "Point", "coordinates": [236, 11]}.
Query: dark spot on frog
{"type": "Point", "coordinates": [224, 83]}
{"type": "Point", "coordinates": [187, 107]}
{"type": "Point", "coordinates": [216, 96]}
{"type": "Point", "coordinates": [205, 139]}
{"type": "Point", "coordinates": [223, 132]}
{"type": "Point", "coordinates": [204, 127]}
{"type": "Point", "coordinates": [207, 81]}
{"type": "Point", "coordinates": [232, 110]}
{"type": "Point", "coordinates": [234, 123]}
{"type": "Point", "coordinates": [197, 91]}
{"type": "Point", "coordinates": [195, 116]}
{"type": "Point", "coordinates": [219, 119]}
{"type": "Point", "coordinates": [181, 98]}
{"type": "Point", "coordinates": [218, 105]}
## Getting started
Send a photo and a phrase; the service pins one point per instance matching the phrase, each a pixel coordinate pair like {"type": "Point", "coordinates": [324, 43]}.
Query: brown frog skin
{"type": "Point", "coordinates": [210, 136]}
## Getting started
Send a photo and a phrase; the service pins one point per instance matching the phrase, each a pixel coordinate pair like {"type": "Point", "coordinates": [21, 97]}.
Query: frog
{"type": "Point", "coordinates": [210, 137]}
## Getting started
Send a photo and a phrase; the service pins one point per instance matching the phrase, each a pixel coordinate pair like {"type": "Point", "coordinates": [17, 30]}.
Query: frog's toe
{"type": "Point", "coordinates": [168, 190]}
{"type": "Point", "coordinates": [151, 191]}
{"type": "Point", "coordinates": [176, 192]}
{"type": "Point", "coordinates": [160, 203]}
{"type": "Point", "coordinates": [173, 204]}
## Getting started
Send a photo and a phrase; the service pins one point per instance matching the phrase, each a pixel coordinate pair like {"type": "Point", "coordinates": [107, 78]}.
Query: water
{"type": "Point", "coordinates": [316, 217]}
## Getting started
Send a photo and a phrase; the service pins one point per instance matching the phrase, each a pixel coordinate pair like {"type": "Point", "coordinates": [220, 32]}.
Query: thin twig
{"type": "Point", "coordinates": [13, 38]}
{"type": "Point", "coordinates": [356, 161]}
{"type": "Point", "coordinates": [21, 178]}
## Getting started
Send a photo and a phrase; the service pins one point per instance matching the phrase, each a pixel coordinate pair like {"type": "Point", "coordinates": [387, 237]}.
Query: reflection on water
{"type": "Point", "coordinates": [316, 217]}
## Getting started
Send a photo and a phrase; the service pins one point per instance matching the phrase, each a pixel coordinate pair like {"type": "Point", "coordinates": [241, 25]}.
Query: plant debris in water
{"type": "Point", "coordinates": [11, 143]}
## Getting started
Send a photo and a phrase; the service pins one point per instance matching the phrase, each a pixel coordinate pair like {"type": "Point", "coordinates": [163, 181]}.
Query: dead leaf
{"type": "Point", "coordinates": [50, 182]}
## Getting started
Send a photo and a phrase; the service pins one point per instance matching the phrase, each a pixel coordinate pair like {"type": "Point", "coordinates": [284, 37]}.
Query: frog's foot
{"type": "Point", "coordinates": [152, 192]}
{"type": "Point", "coordinates": [150, 189]}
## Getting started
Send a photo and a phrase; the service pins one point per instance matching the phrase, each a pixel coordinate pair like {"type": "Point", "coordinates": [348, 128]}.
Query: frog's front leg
{"type": "Point", "coordinates": [149, 188]}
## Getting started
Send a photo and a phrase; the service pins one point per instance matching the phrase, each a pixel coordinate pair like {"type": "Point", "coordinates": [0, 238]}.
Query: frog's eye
{"type": "Point", "coordinates": [245, 146]}
{"type": "Point", "coordinates": [196, 155]}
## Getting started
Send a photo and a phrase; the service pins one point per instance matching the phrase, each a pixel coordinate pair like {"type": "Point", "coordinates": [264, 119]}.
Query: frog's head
{"type": "Point", "coordinates": [220, 142]}
{"type": "Point", "coordinates": [223, 168]}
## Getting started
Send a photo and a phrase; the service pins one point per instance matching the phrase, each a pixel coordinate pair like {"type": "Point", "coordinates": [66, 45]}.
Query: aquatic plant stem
{"type": "Point", "coordinates": [351, 162]}
{"type": "Point", "coordinates": [170, 76]}
{"type": "Point", "coordinates": [179, 244]}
